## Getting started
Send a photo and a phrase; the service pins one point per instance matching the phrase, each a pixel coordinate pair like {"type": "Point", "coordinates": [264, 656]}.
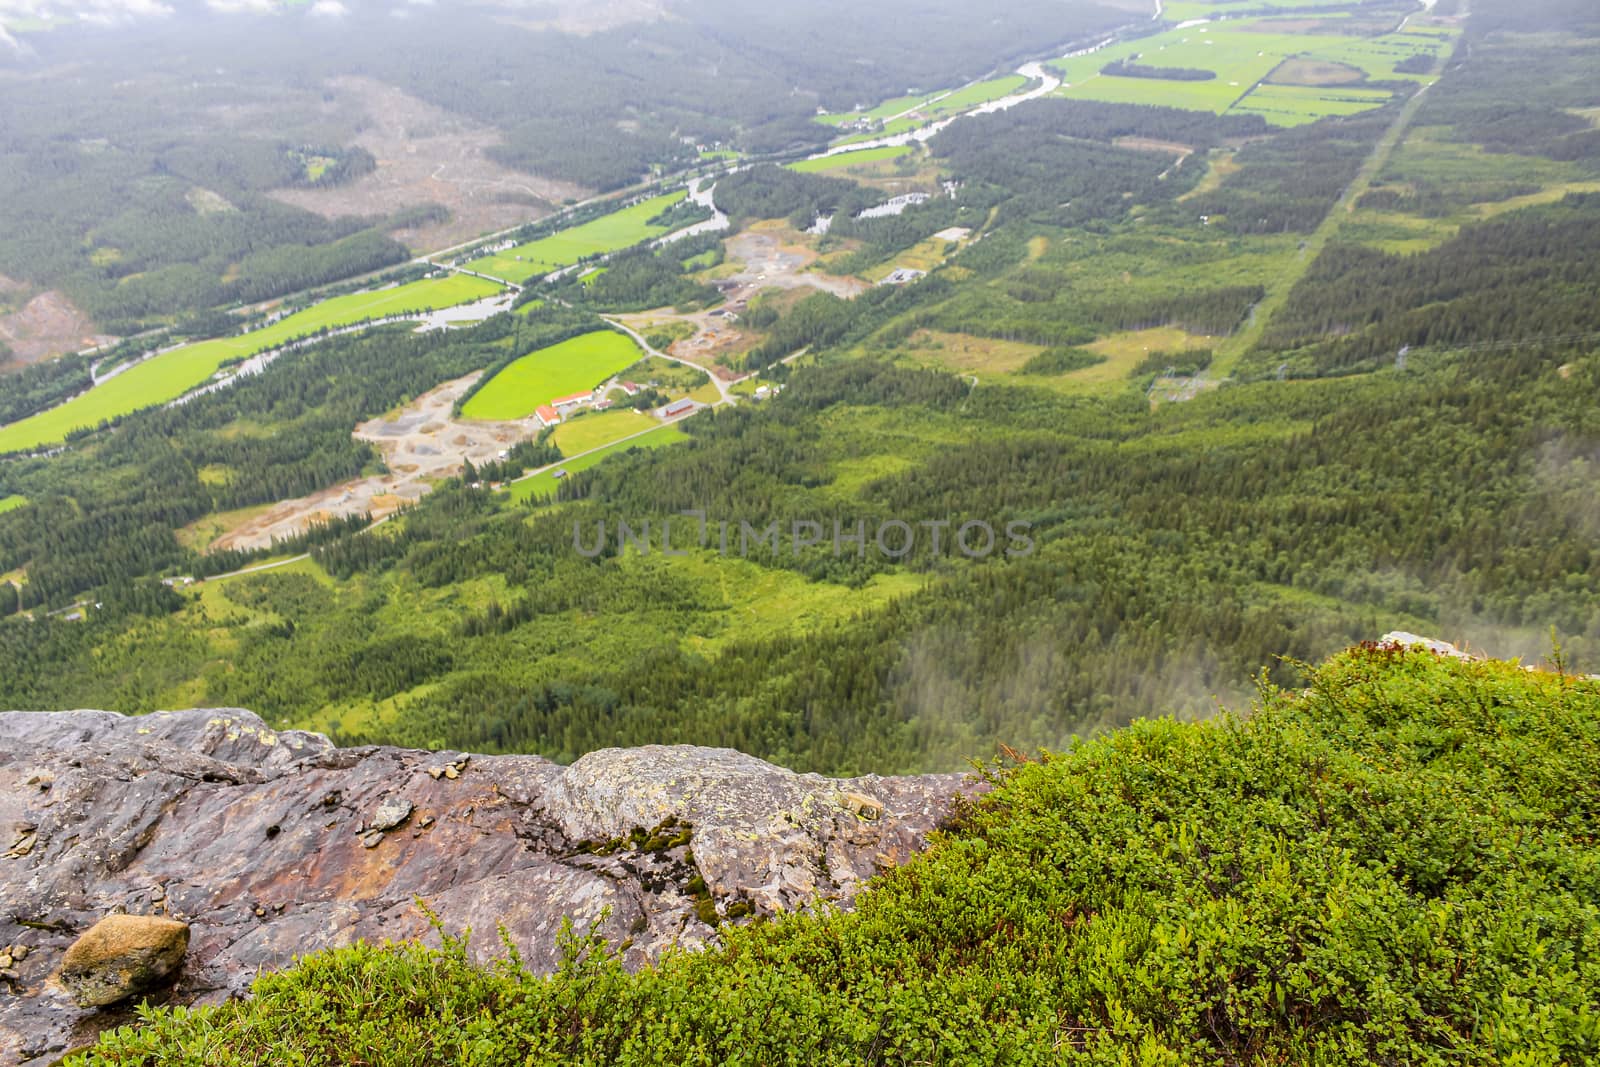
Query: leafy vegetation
{"type": "Point", "coordinates": [1394, 864]}
{"type": "Point", "coordinates": [1513, 279]}
{"type": "Point", "coordinates": [1062, 361]}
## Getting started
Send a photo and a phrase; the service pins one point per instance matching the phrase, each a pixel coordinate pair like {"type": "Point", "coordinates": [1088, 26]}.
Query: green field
{"type": "Point", "coordinates": [12, 503]}
{"type": "Point", "coordinates": [927, 108]}
{"type": "Point", "coordinates": [1241, 59]}
{"type": "Point", "coordinates": [1184, 10]}
{"type": "Point", "coordinates": [972, 95]}
{"type": "Point", "coordinates": [888, 109]}
{"type": "Point", "coordinates": [544, 485]}
{"type": "Point", "coordinates": [171, 374]}
{"type": "Point", "coordinates": [560, 370]}
{"type": "Point", "coordinates": [898, 126]}
{"type": "Point", "coordinates": [1294, 105]}
{"type": "Point", "coordinates": [851, 159]}
{"type": "Point", "coordinates": [608, 233]}
{"type": "Point", "coordinates": [598, 428]}
{"type": "Point", "coordinates": [1377, 56]}
{"type": "Point", "coordinates": [1238, 59]}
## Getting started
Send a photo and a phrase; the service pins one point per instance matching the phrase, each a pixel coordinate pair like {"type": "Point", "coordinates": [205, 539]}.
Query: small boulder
{"type": "Point", "coordinates": [862, 806]}
{"type": "Point", "coordinates": [122, 956]}
{"type": "Point", "coordinates": [392, 813]}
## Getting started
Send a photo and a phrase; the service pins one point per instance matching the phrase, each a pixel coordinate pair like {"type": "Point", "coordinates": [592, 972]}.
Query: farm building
{"type": "Point", "coordinates": [548, 416]}
{"type": "Point", "coordinates": [677, 408]}
{"type": "Point", "coordinates": [565, 404]}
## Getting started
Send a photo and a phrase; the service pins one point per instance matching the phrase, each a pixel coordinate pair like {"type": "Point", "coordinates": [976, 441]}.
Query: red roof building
{"type": "Point", "coordinates": [548, 415]}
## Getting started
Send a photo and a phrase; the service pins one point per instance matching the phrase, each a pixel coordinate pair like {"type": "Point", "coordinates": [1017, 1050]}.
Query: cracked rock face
{"type": "Point", "coordinates": [273, 844]}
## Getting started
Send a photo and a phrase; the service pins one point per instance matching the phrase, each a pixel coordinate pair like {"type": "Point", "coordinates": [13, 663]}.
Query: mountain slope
{"type": "Point", "coordinates": [1395, 865]}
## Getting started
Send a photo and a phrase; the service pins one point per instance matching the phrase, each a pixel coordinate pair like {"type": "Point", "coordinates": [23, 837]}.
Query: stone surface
{"type": "Point", "coordinates": [267, 845]}
{"type": "Point", "coordinates": [123, 956]}
{"type": "Point", "coordinates": [1410, 640]}
{"type": "Point", "coordinates": [392, 813]}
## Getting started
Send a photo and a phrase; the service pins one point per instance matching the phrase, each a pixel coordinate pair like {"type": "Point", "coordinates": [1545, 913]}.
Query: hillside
{"type": "Point", "coordinates": [1393, 865]}
{"type": "Point", "coordinates": [1257, 385]}
{"type": "Point", "coordinates": [270, 844]}
{"type": "Point", "coordinates": [634, 459]}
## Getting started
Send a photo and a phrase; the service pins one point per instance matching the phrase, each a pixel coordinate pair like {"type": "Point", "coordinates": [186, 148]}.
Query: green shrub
{"type": "Point", "coordinates": [1062, 361]}
{"type": "Point", "coordinates": [1182, 364]}
{"type": "Point", "coordinates": [1397, 865]}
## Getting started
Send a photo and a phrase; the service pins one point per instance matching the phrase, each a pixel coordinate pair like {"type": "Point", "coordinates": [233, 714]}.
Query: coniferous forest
{"type": "Point", "coordinates": [1174, 381]}
{"type": "Point", "coordinates": [1328, 491]}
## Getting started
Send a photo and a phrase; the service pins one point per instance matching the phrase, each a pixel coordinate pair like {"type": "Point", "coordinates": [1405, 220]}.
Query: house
{"type": "Point", "coordinates": [565, 404]}
{"type": "Point", "coordinates": [677, 408]}
{"type": "Point", "coordinates": [630, 388]}
{"type": "Point", "coordinates": [547, 415]}
{"type": "Point", "coordinates": [603, 405]}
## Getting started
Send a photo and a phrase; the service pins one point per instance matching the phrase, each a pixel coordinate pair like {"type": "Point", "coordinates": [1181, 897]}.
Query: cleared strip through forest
{"type": "Point", "coordinates": [1229, 353]}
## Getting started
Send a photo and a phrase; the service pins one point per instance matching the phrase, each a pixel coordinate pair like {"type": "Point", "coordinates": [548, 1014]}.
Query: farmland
{"type": "Point", "coordinates": [560, 370]}
{"type": "Point", "coordinates": [609, 233]}
{"type": "Point", "coordinates": [173, 373]}
{"type": "Point", "coordinates": [1184, 10]}
{"type": "Point", "coordinates": [1292, 105]}
{"type": "Point", "coordinates": [12, 503]}
{"type": "Point", "coordinates": [1251, 66]}
{"type": "Point", "coordinates": [906, 113]}
{"type": "Point", "coordinates": [884, 111]}
{"type": "Point", "coordinates": [851, 159]}
{"type": "Point", "coordinates": [545, 484]}
{"type": "Point", "coordinates": [597, 428]}
{"type": "Point", "coordinates": [973, 95]}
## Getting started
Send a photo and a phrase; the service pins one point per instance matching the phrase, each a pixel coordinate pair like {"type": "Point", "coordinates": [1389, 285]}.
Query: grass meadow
{"type": "Point", "coordinates": [851, 159]}
{"type": "Point", "coordinates": [1243, 57]}
{"type": "Point", "coordinates": [543, 486]}
{"type": "Point", "coordinates": [598, 428]}
{"type": "Point", "coordinates": [560, 370]}
{"type": "Point", "coordinates": [172, 374]}
{"type": "Point", "coordinates": [608, 233]}
{"type": "Point", "coordinates": [907, 113]}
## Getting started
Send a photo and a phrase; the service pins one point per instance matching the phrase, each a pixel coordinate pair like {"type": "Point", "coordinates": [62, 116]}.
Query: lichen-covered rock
{"type": "Point", "coordinates": [392, 813]}
{"type": "Point", "coordinates": [274, 844]}
{"type": "Point", "coordinates": [1405, 639]}
{"type": "Point", "coordinates": [123, 956]}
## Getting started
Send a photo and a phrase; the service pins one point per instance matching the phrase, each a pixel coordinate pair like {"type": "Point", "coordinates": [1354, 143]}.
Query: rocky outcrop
{"type": "Point", "coordinates": [1405, 639]}
{"type": "Point", "coordinates": [269, 845]}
